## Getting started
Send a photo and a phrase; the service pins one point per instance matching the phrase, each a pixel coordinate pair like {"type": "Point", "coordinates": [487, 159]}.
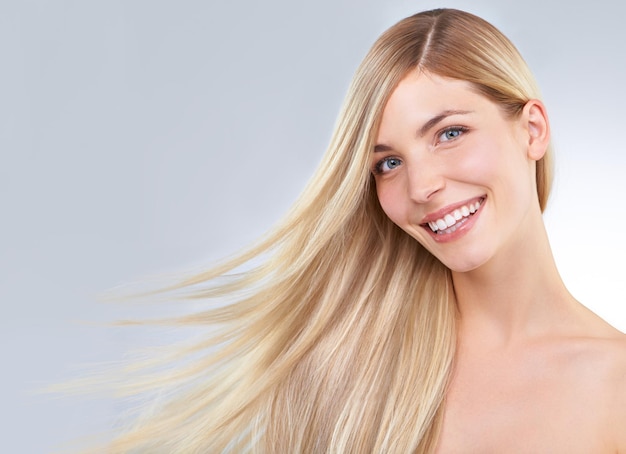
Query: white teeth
{"type": "Point", "coordinates": [447, 223]}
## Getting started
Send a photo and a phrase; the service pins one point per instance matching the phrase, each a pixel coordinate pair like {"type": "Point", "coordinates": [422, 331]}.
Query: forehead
{"type": "Point", "coordinates": [425, 91]}
{"type": "Point", "coordinates": [420, 96]}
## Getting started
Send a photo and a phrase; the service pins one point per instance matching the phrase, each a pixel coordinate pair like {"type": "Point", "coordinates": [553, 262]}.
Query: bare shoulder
{"type": "Point", "coordinates": [616, 388]}
{"type": "Point", "coordinates": [598, 359]}
{"type": "Point", "coordinates": [606, 353]}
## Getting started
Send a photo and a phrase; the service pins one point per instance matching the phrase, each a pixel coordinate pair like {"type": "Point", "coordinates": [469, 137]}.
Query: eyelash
{"type": "Point", "coordinates": [377, 170]}
{"type": "Point", "coordinates": [460, 129]}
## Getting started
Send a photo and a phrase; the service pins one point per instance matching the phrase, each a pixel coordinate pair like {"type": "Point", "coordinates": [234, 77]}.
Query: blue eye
{"type": "Point", "coordinates": [386, 164]}
{"type": "Point", "coordinates": [451, 133]}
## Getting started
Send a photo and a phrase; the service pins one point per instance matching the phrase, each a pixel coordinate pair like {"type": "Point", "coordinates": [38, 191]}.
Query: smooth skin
{"type": "Point", "coordinates": [535, 371]}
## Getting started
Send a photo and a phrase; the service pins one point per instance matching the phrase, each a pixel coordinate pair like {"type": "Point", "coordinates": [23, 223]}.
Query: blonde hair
{"type": "Point", "coordinates": [343, 339]}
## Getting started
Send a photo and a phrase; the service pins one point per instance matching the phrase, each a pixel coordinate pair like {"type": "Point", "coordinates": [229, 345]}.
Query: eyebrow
{"type": "Point", "coordinates": [427, 126]}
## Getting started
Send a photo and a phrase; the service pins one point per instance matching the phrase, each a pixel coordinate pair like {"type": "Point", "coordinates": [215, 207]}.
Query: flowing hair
{"type": "Point", "coordinates": [342, 339]}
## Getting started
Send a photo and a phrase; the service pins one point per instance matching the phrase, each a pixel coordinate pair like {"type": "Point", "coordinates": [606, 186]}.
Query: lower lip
{"type": "Point", "coordinates": [462, 229]}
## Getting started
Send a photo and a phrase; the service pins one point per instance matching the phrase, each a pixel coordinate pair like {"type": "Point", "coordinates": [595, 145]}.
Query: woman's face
{"type": "Point", "coordinates": [454, 172]}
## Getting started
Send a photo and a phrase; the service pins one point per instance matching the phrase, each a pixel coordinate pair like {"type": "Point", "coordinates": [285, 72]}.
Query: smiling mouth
{"type": "Point", "coordinates": [454, 219]}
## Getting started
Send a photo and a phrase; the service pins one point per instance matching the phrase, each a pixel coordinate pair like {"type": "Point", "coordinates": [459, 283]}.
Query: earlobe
{"type": "Point", "coordinates": [538, 128]}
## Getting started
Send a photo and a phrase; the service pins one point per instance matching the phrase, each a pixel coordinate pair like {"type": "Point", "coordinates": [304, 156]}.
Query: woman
{"type": "Point", "coordinates": [409, 302]}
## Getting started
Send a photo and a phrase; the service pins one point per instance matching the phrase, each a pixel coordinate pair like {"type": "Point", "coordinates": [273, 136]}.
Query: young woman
{"type": "Point", "coordinates": [409, 302]}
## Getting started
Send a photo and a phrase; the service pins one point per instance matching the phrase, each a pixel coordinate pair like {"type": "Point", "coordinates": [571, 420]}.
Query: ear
{"type": "Point", "coordinates": [537, 126]}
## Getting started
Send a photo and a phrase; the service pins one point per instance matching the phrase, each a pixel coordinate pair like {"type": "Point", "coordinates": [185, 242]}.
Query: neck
{"type": "Point", "coordinates": [516, 296]}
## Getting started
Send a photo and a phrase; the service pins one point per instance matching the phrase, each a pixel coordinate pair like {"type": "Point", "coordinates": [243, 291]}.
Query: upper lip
{"type": "Point", "coordinates": [439, 214]}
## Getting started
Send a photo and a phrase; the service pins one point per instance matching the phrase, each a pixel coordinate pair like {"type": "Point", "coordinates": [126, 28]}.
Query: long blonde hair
{"type": "Point", "coordinates": [342, 340]}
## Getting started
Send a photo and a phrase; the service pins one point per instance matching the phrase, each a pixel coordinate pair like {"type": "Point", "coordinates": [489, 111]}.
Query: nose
{"type": "Point", "coordinates": [424, 181]}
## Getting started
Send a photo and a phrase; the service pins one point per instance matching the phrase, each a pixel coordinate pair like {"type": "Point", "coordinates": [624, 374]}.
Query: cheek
{"type": "Point", "coordinates": [480, 161]}
{"type": "Point", "coordinates": [502, 167]}
{"type": "Point", "coordinates": [391, 203]}
{"type": "Point", "coordinates": [490, 163]}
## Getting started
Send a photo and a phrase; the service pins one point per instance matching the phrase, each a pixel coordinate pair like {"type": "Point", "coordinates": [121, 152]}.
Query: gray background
{"type": "Point", "coordinates": [143, 137]}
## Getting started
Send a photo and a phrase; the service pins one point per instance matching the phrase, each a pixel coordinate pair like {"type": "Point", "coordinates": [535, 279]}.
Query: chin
{"type": "Point", "coordinates": [462, 264]}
